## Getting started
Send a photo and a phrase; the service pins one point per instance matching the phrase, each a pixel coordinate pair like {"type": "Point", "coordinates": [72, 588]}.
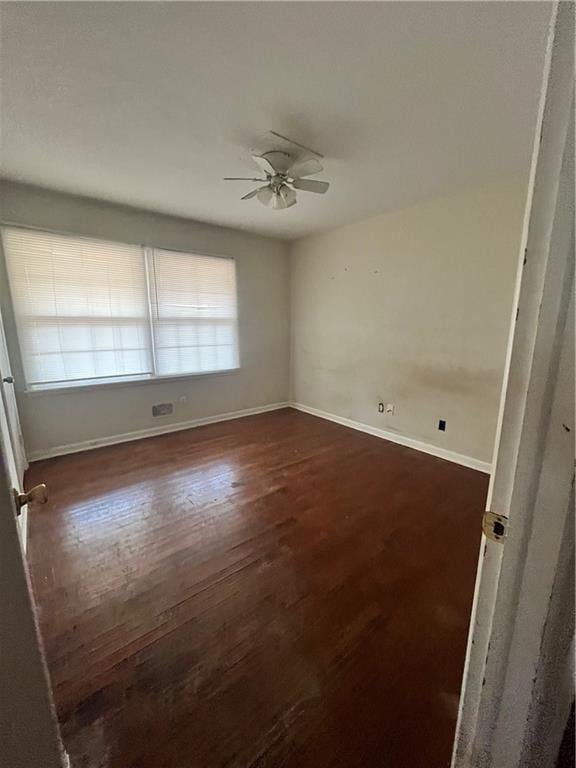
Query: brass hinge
{"type": "Point", "coordinates": [495, 526]}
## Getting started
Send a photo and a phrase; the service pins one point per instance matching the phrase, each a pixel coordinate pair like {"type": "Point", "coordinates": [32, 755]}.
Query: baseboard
{"type": "Point", "coordinates": [408, 442]}
{"type": "Point", "coordinates": [87, 445]}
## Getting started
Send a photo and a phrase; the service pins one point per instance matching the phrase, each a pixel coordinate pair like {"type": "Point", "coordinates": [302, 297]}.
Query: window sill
{"type": "Point", "coordinates": [137, 381]}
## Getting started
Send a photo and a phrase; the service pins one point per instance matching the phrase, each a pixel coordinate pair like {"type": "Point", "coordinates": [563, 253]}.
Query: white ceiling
{"type": "Point", "coordinates": [151, 104]}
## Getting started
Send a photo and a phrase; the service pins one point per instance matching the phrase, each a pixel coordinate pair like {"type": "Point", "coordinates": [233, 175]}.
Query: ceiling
{"type": "Point", "coordinates": [151, 104]}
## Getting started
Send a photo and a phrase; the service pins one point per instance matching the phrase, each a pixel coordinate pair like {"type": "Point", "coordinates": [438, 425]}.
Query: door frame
{"type": "Point", "coordinates": [11, 438]}
{"type": "Point", "coordinates": [14, 428]}
{"type": "Point", "coordinates": [511, 656]}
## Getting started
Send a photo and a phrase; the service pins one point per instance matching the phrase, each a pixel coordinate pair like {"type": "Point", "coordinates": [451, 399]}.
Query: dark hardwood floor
{"type": "Point", "coordinates": [272, 591]}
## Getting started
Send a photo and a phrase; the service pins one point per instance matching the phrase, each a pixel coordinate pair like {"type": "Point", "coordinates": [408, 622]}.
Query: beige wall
{"type": "Point", "coordinates": [50, 419]}
{"type": "Point", "coordinates": [411, 307]}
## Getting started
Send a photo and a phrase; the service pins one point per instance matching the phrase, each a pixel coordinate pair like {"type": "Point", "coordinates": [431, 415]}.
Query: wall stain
{"type": "Point", "coordinates": [454, 379]}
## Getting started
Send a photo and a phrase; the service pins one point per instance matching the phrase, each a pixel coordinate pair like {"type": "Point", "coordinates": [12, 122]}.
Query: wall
{"type": "Point", "coordinates": [51, 419]}
{"type": "Point", "coordinates": [411, 307]}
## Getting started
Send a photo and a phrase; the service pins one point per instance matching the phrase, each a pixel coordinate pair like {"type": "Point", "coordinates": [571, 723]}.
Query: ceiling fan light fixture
{"type": "Point", "coordinates": [289, 195]}
{"type": "Point", "coordinates": [278, 202]}
{"type": "Point", "coordinates": [265, 195]}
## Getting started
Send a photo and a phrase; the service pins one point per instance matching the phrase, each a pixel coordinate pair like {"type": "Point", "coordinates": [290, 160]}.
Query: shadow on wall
{"type": "Point", "coordinates": [567, 754]}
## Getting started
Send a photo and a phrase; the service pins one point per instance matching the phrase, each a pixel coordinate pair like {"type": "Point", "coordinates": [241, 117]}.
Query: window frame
{"type": "Point", "coordinates": [120, 381]}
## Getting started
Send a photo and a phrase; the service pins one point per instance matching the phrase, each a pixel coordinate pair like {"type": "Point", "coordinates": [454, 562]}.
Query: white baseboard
{"type": "Point", "coordinates": [408, 442]}
{"type": "Point", "coordinates": [434, 450]}
{"type": "Point", "coordinates": [86, 445]}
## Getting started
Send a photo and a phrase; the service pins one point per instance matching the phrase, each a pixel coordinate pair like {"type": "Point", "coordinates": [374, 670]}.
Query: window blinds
{"type": "Point", "coordinates": [193, 312]}
{"type": "Point", "coordinates": [89, 310]}
{"type": "Point", "coordinates": [81, 307]}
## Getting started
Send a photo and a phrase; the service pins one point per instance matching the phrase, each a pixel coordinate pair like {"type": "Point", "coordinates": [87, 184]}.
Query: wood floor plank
{"type": "Point", "coordinates": [273, 592]}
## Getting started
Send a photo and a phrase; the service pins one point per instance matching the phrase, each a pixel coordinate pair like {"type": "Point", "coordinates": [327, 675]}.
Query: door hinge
{"type": "Point", "coordinates": [495, 526]}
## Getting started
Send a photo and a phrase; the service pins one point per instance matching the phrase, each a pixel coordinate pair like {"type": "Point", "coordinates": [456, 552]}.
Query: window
{"type": "Point", "coordinates": [193, 302]}
{"type": "Point", "coordinates": [91, 311]}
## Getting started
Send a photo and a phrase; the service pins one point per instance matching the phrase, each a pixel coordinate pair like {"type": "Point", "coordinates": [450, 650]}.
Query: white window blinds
{"type": "Point", "coordinates": [90, 311]}
{"type": "Point", "coordinates": [193, 302]}
{"type": "Point", "coordinates": [80, 305]}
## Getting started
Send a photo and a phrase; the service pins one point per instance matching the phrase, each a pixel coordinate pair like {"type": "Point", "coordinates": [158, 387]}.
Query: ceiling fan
{"type": "Point", "coordinates": [284, 174]}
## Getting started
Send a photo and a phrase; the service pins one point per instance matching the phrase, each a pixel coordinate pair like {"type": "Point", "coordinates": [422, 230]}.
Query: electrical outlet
{"type": "Point", "coordinates": [442, 425]}
{"type": "Point", "coordinates": [380, 407]}
{"type": "Point", "coordinates": [390, 409]}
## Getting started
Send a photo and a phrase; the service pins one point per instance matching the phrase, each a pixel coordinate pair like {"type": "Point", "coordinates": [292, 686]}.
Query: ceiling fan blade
{"type": "Point", "coordinates": [305, 168]}
{"type": "Point", "coordinates": [264, 195]}
{"type": "Point", "coordinates": [250, 194]}
{"type": "Point", "coordinates": [241, 178]}
{"type": "Point", "coordinates": [264, 164]}
{"type": "Point", "coordinates": [310, 185]}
